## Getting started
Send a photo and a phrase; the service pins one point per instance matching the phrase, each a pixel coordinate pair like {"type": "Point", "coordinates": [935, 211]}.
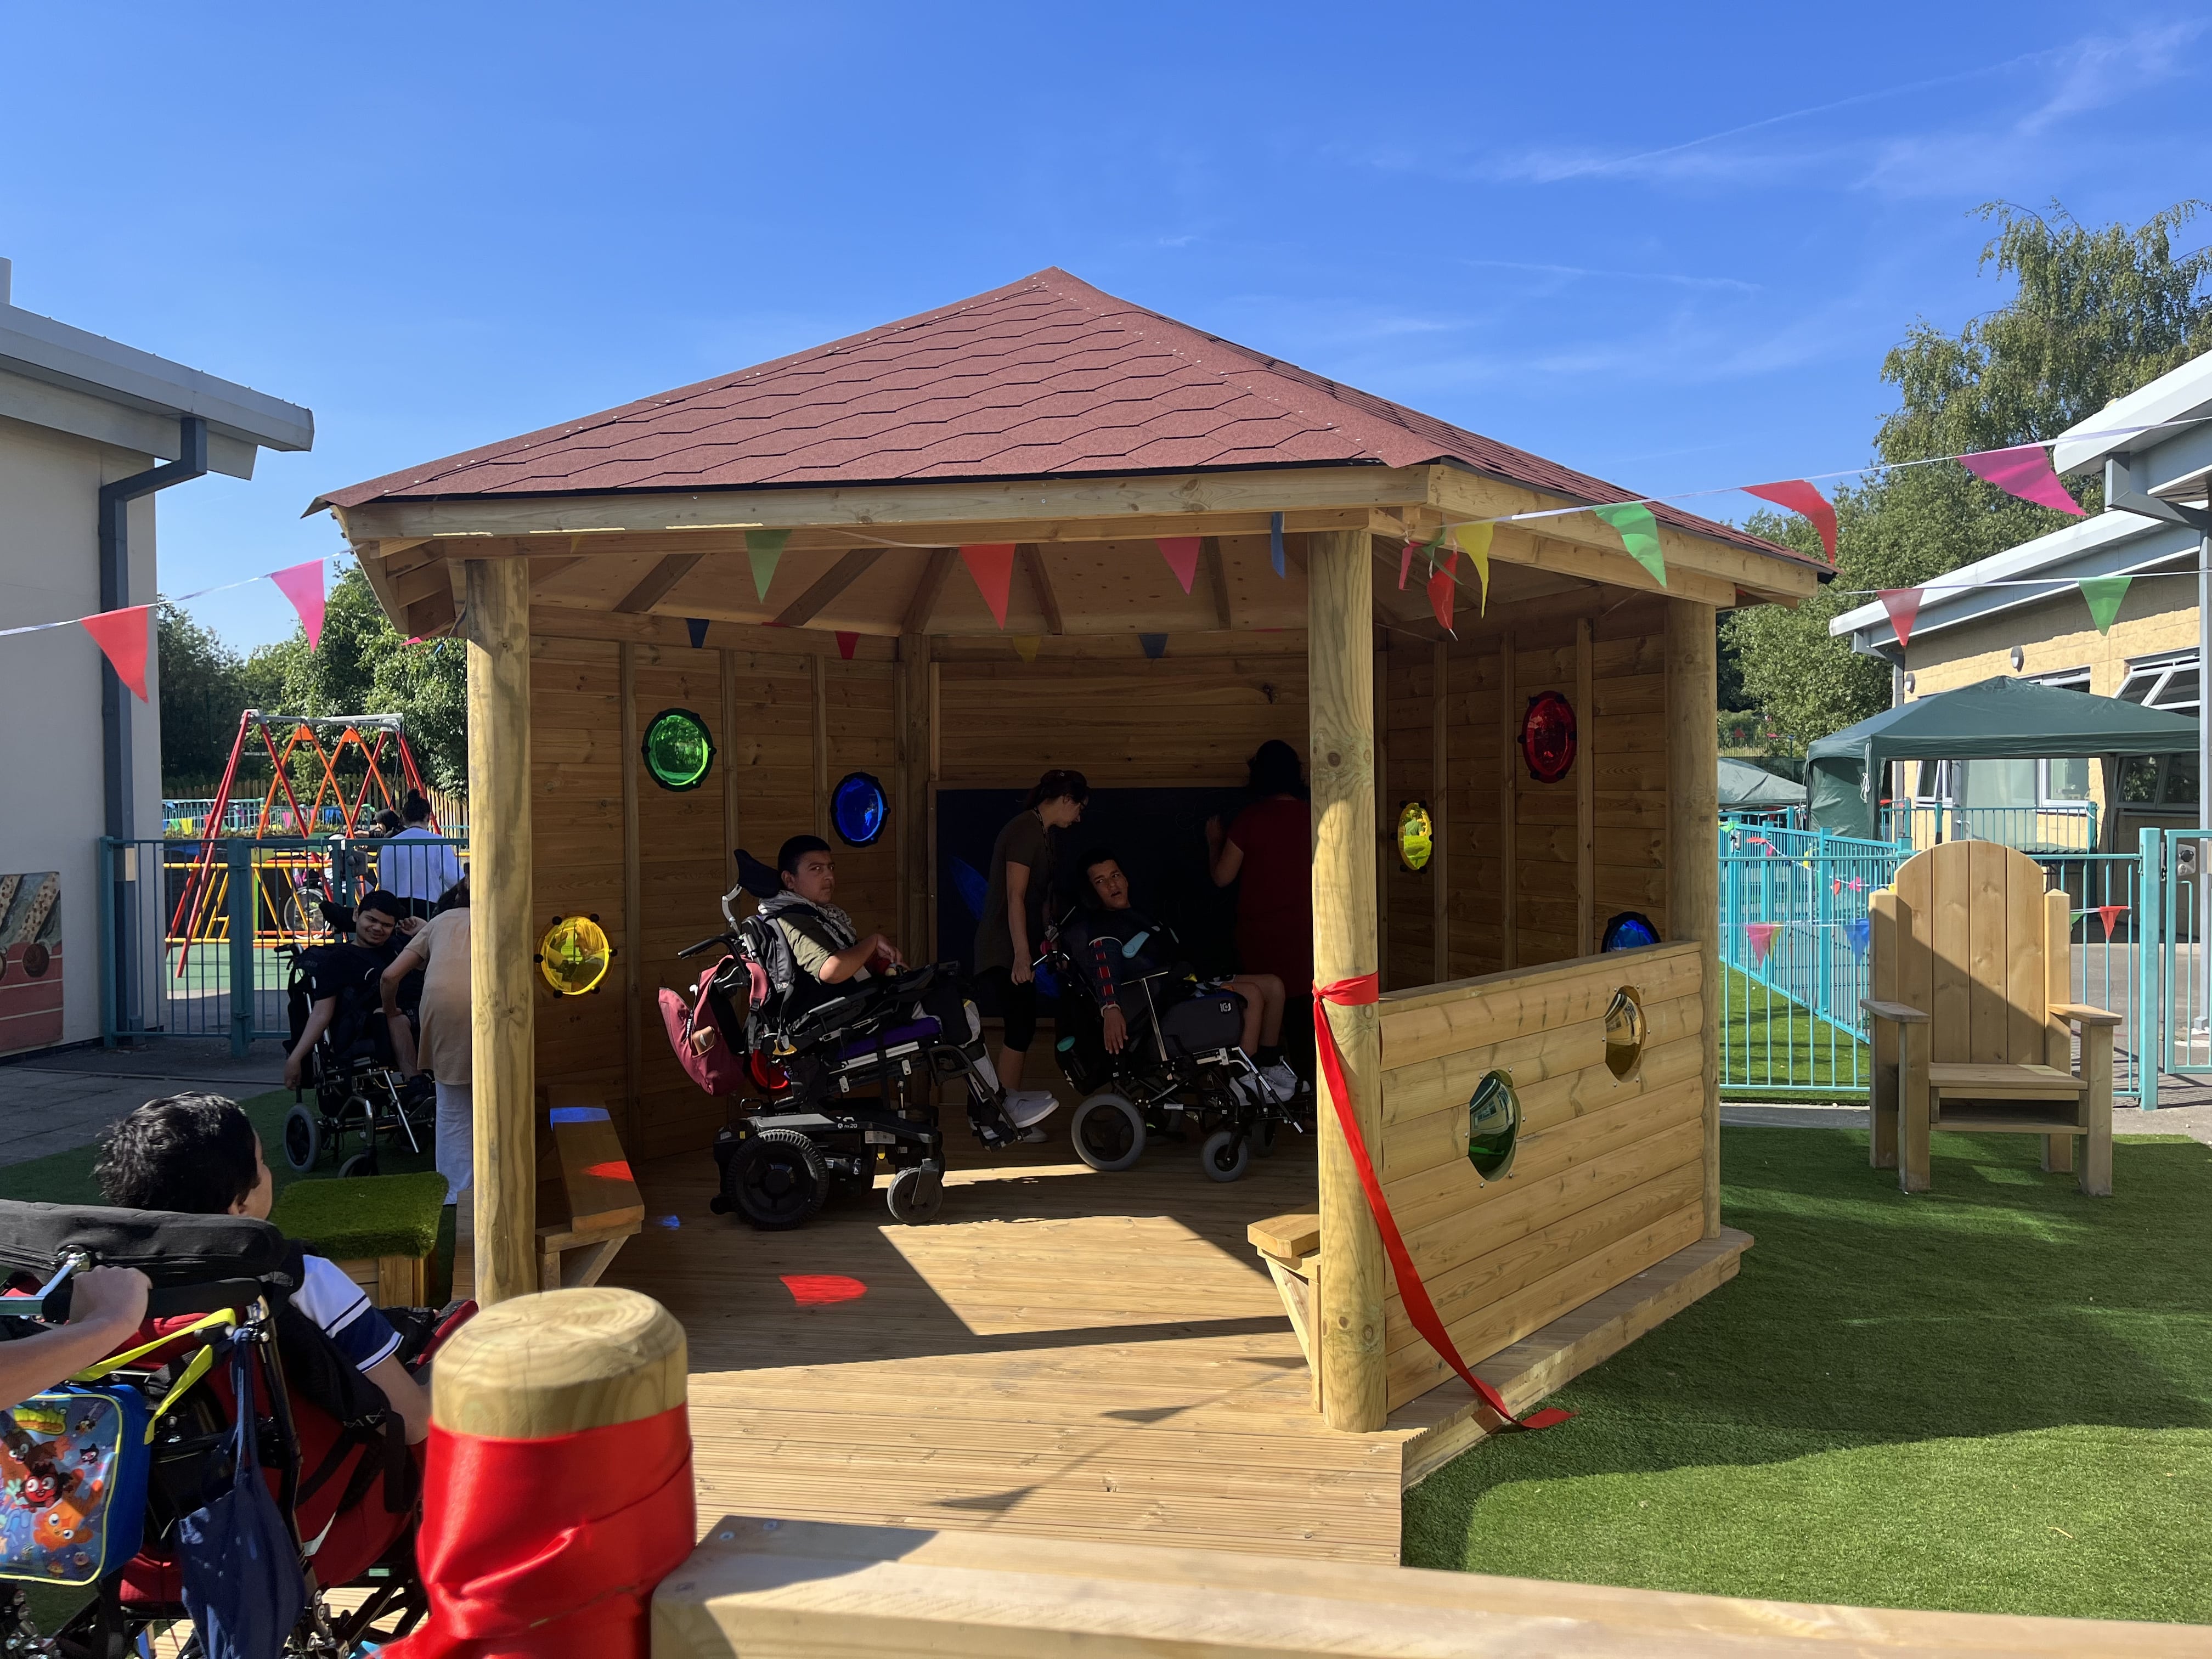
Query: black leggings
{"type": "Point", "coordinates": [1017, 1004]}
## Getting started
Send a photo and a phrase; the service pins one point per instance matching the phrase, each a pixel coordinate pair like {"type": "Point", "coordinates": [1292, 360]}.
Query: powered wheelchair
{"type": "Point", "coordinates": [801, 1129]}
{"type": "Point", "coordinates": [354, 1075]}
{"type": "Point", "coordinates": [1182, 1071]}
{"type": "Point", "coordinates": [333, 1452]}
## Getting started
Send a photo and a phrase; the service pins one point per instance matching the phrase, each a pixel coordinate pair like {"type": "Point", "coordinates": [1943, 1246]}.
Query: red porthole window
{"type": "Point", "coordinates": [1547, 737]}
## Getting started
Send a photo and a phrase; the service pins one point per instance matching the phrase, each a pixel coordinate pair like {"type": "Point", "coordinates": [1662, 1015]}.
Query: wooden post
{"type": "Point", "coordinates": [559, 1362]}
{"type": "Point", "coordinates": [1586, 937]}
{"type": "Point", "coordinates": [1694, 839]}
{"type": "Point", "coordinates": [503, 936]}
{"type": "Point", "coordinates": [1440, 811]}
{"type": "Point", "coordinates": [912, 717]}
{"type": "Point", "coordinates": [730, 771]}
{"type": "Point", "coordinates": [821, 676]}
{"type": "Point", "coordinates": [1386, 812]}
{"type": "Point", "coordinates": [1509, 785]}
{"type": "Point", "coordinates": [634, 1002]}
{"type": "Point", "coordinates": [1340, 642]}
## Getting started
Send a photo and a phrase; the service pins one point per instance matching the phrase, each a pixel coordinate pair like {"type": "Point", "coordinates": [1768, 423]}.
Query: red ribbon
{"type": "Point", "coordinates": [551, 1548]}
{"type": "Point", "coordinates": [1358, 993]}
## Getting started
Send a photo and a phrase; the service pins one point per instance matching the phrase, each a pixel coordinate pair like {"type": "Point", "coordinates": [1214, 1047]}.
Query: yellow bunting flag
{"type": "Point", "coordinates": [1473, 540]}
{"type": "Point", "coordinates": [1025, 646]}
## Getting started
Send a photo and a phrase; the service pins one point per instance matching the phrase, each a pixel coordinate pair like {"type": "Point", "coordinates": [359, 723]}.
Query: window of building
{"type": "Point", "coordinates": [2168, 680]}
{"type": "Point", "coordinates": [2162, 782]}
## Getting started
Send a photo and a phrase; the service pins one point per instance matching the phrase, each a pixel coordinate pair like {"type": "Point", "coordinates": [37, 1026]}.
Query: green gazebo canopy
{"type": "Point", "coordinates": [2000, 719]}
{"type": "Point", "coordinates": [1746, 787]}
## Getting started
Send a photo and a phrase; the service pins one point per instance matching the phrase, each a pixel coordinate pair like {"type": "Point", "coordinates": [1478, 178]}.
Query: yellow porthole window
{"type": "Point", "coordinates": [1416, 833]}
{"type": "Point", "coordinates": [573, 955]}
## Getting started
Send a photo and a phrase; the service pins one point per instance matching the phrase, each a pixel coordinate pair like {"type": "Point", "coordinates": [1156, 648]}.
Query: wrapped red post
{"type": "Point", "coordinates": [559, 1485]}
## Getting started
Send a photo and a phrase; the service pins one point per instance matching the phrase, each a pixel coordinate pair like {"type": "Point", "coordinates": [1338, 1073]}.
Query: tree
{"type": "Point", "coordinates": [2095, 314]}
{"type": "Point", "coordinates": [201, 693]}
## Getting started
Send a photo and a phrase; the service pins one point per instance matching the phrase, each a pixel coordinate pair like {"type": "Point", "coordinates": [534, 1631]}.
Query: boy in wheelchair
{"type": "Point", "coordinates": [1152, 1043]}
{"type": "Point", "coordinates": [342, 1045]}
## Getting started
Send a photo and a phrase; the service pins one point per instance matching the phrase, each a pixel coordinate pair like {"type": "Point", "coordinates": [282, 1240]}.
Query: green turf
{"type": "Point", "coordinates": [1769, 1042]}
{"type": "Point", "coordinates": [372, 1215]}
{"type": "Point", "coordinates": [1993, 1397]}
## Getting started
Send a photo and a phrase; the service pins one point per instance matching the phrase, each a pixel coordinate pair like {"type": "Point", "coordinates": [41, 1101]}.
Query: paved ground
{"type": "Point", "coordinates": [54, 1102]}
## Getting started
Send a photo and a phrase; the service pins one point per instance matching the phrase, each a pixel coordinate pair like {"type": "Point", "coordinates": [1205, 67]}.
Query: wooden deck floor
{"type": "Point", "coordinates": [1063, 1352]}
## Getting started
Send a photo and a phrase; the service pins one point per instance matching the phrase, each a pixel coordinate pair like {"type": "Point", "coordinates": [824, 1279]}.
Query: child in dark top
{"type": "Point", "coordinates": [198, 1155]}
{"type": "Point", "coordinates": [1011, 928]}
{"type": "Point", "coordinates": [343, 976]}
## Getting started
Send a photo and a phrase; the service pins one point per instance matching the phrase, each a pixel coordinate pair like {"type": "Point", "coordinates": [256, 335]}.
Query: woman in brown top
{"type": "Point", "coordinates": [440, 951]}
{"type": "Point", "coordinates": [1007, 938]}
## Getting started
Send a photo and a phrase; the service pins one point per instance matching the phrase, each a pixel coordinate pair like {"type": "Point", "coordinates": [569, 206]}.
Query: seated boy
{"type": "Point", "coordinates": [1103, 935]}
{"type": "Point", "coordinates": [199, 1154]}
{"type": "Point", "coordinates": [342, 983]}
{"type": "Point", "coordinates": [828, 951]}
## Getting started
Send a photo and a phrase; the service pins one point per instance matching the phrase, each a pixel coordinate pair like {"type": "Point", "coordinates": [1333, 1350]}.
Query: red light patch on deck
{"type": "Point", "coordinates": [820, 1290]}
{"type": "Point", "coordinates": [616, 1170]}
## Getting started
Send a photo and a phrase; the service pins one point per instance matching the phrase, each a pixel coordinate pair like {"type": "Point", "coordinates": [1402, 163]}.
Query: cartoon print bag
{"type": "Point", "coordinates": [74, 1504]}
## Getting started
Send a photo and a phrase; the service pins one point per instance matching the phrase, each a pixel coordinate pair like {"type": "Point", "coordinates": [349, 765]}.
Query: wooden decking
{"type": "Point", "coordinates": [1065, 1353]}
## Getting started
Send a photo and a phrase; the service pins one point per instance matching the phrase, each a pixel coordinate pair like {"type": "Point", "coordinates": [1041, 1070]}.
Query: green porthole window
{"type": "Point", "coordinates": [1416, 833]}
{"type": "Point", "coordinates": [676, 749]}
{"type": "Point", "coordinates": [1493, 1126]}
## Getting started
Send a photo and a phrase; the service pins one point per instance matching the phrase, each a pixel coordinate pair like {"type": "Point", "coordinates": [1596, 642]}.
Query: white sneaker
{"type": "Point", "coordinates": [1033, 1136]}
{"type": "Point", "coordinates": [1282, 1082]}
{"type": "Point", "coordinates": [1026, 1108]}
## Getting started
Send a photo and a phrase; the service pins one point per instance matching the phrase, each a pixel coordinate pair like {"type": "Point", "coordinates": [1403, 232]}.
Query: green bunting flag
{"type": "Point", "coordinates": [2104, 594]}
{"type": "Point", "coordinates": [1639, 534]}
{"type": "Point", "coordinates": [765, 547]}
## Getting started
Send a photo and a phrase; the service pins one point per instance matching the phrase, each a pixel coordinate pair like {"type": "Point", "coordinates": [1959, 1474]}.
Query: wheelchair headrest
{"type": "Point", "coordinates": [169, 1249]}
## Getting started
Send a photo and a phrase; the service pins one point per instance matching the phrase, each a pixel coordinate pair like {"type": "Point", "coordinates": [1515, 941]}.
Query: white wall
{"type": "Point", "coordinates": [52, 803]}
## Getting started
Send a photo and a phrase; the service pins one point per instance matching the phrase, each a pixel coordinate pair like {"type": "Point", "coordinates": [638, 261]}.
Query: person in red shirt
{"type": "Point", "coordinates": [1268, 851]}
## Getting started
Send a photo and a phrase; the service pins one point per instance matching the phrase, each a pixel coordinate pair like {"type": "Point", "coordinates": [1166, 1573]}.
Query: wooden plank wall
{"type": "Point", "coordinates": [1610, 1174]}
{"type": "Point", "coordinates": [1579, 851]}
{"type": "Point", "coordinates": [779, 750]}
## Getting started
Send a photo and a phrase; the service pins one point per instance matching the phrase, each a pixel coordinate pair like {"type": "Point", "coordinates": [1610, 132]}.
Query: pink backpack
{"type": "Point", "coordinates": [697, 1034]}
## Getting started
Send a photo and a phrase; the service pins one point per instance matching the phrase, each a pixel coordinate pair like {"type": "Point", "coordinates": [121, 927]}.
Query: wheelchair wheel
{"type": "Point", "coordinates": [777, 1180]}
{"type": "Point", "coordinates": [1109, 1133]}
{"type": "Point", "coordinates": [361, 1163]}
{"type": "Point", "coordinates": [303, 1137]}
{"type": "Point", "coordinates": [1225, 1156]}
{"type": "Point", "coordinates": [916, 1196]}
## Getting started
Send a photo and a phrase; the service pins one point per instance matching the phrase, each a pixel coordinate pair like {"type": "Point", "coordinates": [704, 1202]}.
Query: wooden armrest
{"type": "Point", "coordinates": [2080, 1014]}
{"type": "Point", "coordinates": [1896, 1010]}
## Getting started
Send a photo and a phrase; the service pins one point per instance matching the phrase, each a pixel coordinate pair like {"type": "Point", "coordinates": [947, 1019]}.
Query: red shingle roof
{"type": "Point", "coordinates": [1047, 377]}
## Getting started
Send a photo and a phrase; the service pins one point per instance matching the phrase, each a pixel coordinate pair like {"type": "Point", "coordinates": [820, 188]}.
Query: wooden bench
{"type": "Point", "coordinates": [1971, 964]}
{"type": "Point", "coordinates": [381, 1230]}
{"type": "Point", "coordinates": [587, 1200]}
{"type": "Point", "coordinates": [1291, 1245]}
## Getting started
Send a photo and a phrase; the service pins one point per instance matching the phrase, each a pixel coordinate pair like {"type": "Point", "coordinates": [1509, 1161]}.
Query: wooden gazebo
{"type": "Point", "coordinates": [706, 548]}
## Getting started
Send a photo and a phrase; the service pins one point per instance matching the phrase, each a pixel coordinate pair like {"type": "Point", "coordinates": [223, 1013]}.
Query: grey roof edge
{"type": "Point", "coordinates": [2113, 543]}
{"type": "Point", "coordinates": [40, 348]}
{"type": "Point", "coordinates": [2135, 423]}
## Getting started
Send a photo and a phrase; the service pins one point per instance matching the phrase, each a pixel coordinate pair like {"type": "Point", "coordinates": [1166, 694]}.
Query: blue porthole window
{"type": "Point", "coordinates": [1630, 930]}
{"type": "Point", "coordinates": [858, 810]}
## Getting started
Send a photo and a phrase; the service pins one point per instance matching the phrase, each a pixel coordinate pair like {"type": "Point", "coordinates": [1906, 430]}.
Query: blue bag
{"type": "Point", "coordinates": [240, 1563]}
{"type": "Point", "coordinates": [73, 1505]}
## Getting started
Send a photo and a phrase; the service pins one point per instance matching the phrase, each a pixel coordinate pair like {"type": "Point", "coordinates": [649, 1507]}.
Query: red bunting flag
{"type": "Point", "coordinates": [124, 635]}
{"type": "Point", "coordinates": [1902, 604]}
{"type": "Point", "coordinates": [1800, 498]}
{"type": "Point", "coordinates": [2110, 914]}
{"type": "Point", "coordinates": [1182, 554]}
{"type": "Point", "coordinates": [992, 565]}
{"type": "Point", "coordinates": [2023, 471]}
{"type": "Point", "coordinates": [1405, 563]}
{"type": "Point", "coordinates": [847, 644]}
{"type": "Point", "coordinates": [303, 585]}
{"type": "Point", "coordinates": [1761, 935]}
{"type": "Point", "coordinates": [1442, 587]}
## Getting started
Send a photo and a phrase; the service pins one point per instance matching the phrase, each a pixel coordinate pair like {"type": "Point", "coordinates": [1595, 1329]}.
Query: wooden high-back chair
{"type": "Point", "coordinates": [1972, 967]}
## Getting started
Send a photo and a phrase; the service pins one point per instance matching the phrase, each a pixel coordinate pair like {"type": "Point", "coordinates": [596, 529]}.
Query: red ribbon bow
{"type": "Point", "coordinates": [1358, 993]}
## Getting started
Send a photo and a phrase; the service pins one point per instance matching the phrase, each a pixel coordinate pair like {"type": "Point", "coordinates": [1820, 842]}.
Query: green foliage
{"type": "Point", "coordinates": [202, 692]}
{"type": "Point", "coordinates": [2095, 313]}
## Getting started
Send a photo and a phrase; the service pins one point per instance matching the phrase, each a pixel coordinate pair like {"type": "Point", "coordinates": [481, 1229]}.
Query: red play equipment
{"type": "Point", "coordinates": [201, 911]}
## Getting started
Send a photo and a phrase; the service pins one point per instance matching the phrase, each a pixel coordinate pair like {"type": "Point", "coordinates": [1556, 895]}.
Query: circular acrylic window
{"type": "Point", "coordinates": [676, 749]}
{"type": "Point", "coordinates": [573, 955]}
{"type": "Point", "coordinates": [1547, 737]}
{"type": "Point", "coordinates": [858, 808]}
{"type": "Point", "coordinates": [1629, 931]}
{"type": "Point", "coordinates": [1624, 1032]}
{"type": "Point", "coordinates": [1493, 1125]}
{"type": "Point", "coordinates": [1416, 834]}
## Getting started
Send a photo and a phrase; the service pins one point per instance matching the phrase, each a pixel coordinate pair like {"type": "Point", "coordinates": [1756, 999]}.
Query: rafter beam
{"type": "Point", "coordinates": [1217, 579]}
{"type": "Point", "coordinates": [926, 590]}
{"type": "Point", "coordinates": [1032, 558]}
{"type": "Point", "coordinates": [659, 582]}
{"type": "Point", "coordinates": [840, 576]}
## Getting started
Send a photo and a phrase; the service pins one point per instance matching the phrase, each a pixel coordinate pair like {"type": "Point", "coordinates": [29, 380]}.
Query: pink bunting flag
{"type": "Point", "coordinates": [847, 644]}
{"type": "Point", "coordinates": [303, 585]}
{"type": "Point", "coordinates": [2110, 914]}
{"type": "Point", "coordinates": [1761, 935]}
{"type": "Point", "coordinates": [1182, 554]}
{"type": "Point", "coordinates": [1902, 604]}
{"type": "Point", "coordinates": [1808, 503]}
{"type": "Point", "coordinates": [2023, 471]}
{"type": "Point", "coordinates": [1442, 587]}
{"type": "Point", "coordinates": [992, 565]}
{"type": "Point", "coordinates": [124, 635]}
{"type": "Point", "coordinates": [1405, 563]}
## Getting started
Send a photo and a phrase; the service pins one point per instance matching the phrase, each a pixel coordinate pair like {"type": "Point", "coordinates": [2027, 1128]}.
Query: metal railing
{"type": "Point", "coordinates": [1918, 825]}
{"type": "Point", "coordinates": [224, 915]}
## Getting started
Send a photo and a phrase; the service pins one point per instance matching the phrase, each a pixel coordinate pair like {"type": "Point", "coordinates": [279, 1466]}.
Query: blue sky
{"type": "Point", "coordinates": [1666, 244]}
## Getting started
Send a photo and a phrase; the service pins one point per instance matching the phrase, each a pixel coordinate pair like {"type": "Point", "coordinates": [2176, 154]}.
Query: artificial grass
{"type": "Point", "coordinates": [1769, 1042]}
{"type": "Point", "coordinates": [1993, 1397]}
{"type": "Point", "coordinates": [367, 1216]}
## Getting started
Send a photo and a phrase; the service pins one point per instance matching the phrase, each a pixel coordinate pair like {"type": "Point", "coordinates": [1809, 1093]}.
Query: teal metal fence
{"type": "Point", "coordinates": [2033, 830]}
